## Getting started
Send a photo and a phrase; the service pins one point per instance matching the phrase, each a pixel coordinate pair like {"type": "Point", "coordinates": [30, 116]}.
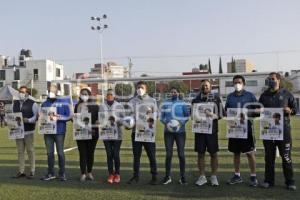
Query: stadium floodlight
{"type": "Point", "coordinates": [100, 28]}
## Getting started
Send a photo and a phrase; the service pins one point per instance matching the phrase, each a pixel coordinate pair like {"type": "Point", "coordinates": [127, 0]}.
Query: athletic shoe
{"type": "Point", "coordinates": [265, 185]}
{"type": "Point", "coordinates": [201, 181]}
{"type": "Point", "coordinates": [166, 180]}
{"type": "Point", "coordinates": [214, 180]}
{"type": "Point", "coordinates": [82, 178]}
{"type": "Point", "coordinates": [48, 177]}
{"type": "Point", "coordinates": [90, 177]}
{"type": "Point", "coordinates": [62, 178]}
{"type": "Point", "coordinates": [291, 187]}
{"type": "Point", "coordinates": [153, 180]}
{"type": "Point", "coordinates": [253, 181]}
{"type": "Point", "coordinates": [235, 180]}
{"type": "Point", "coordinates": [117, 178]}
{"type": "Point", "coordinates": [30, 176]}
{"type": "Point", "coordinates": [110, 179]}
{"type": "Point", "coordinates": [19, 175]}
{"type": "Point", "coordinates": [182, 181]}
{"type": "Point", "coordinates": [134, 179]}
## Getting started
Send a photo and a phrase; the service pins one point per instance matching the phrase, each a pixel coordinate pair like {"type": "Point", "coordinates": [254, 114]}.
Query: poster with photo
{"type": "Point", "coordinates": [145, 123]}
{"type": "Point", "coordinates": [82, 126]}
{"type": "Point", "coordinates": [15, 125]}
{"type": "Point", "coordinates": [108, 128]}
{"type": "Point", "coordinates": [202, 118]}
{"type": "Point", "coordinates": [237, 124]}
{"type": "Point", "coordinates": [48, 120]}
{"type": "Point", "coordinates": [271, 124]}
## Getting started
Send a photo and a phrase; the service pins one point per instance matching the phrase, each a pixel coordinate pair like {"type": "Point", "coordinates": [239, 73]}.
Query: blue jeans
{"type": "Point", "coordinates": [179, 138]}
{"type": "Point", "coordinates": [137, 152]}
{"type": "Point", "coordinates": [59, 142]}
{"type": "Point", "coordinates": [112, 148]}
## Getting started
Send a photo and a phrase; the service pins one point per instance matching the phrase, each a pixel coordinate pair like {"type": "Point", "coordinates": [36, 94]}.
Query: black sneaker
{"type": "Point", "coordinates": [30, 176]}
{"type": "Point", "coordinates": [48, 177]}
{"type": "Point", "coordinates": [291, 187]}
{"type": "Point", "coordinates": [167, 180]}
{"type": "Point", "coordinates": [19, 175]}
{"type": "Point", "coordinates": [153, 180]}
{"type": "Point", "coordinates": [235, 180]}
{"type": "Point", "coordinates": [253, 181]}
{"type": "Point", "coordinates": [134, 179]}
{"type": "Point", "coordinates": [182, 181]}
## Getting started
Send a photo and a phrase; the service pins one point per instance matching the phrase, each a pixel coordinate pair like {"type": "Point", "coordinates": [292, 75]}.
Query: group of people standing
{"type": "Point", "coordinates": [175, 108]}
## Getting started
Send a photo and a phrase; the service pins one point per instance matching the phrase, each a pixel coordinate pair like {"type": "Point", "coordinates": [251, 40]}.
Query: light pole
{"type": "Point", "coordinates": [100, 27]}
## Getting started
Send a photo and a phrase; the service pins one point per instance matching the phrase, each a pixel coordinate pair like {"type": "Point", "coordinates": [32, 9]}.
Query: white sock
{"type": "Point", "coordinates": [238, 174]}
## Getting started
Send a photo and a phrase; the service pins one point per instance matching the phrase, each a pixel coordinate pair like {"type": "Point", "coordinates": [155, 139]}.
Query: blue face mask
{"type": "Point", "coordinates": [174, 97]}
{"type": "Point", "coordinates": [272, 84]}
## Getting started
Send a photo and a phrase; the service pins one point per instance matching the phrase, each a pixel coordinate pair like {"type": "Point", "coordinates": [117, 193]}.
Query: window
{"type": "Point", "coordinates": [228, 84]}
{"type": "Point", "coordinates": [58, 86]}
{"type": "Point", "coordinates": [35, 74]}
{"type": "Point", "coordinates": [66, 89]}
{"type": "Point", "coordinates": [17, 74]}
{"type": "Point", "coordinates": [2, 75]}
{"type": "Point", "coordinates": [1, 84]}
{"type": "Point", "coordinates": [15, 85]}
{"type": "Point", "coordinates": [57, 72]}
{"type": "Point", "coordinates": [251, 83]}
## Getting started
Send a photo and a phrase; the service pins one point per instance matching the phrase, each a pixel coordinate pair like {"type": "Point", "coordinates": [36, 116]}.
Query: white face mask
{"type": "Point", "coordinates": [22, 96]}
{"type": "Point", "coordinates": [238, 87]}
{"type": "Point", "coordinates": [52, 95]}
{"type": "Point", "coordinates": [140, 92]}
{"type": "Point", "coordinates": [84, 98]}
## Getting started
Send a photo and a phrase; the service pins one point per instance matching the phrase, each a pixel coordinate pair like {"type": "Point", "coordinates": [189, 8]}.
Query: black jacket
{"type": "Point", "coordinates": [218, 109]}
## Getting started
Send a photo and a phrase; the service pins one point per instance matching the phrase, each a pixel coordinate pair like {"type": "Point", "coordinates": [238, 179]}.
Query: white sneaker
{"type": "Point", "coordinates": [82, 178]}
{"type": "Point", "coordinates": [201, 181]}
{"type": "Point", "coordinates": [214, 180]}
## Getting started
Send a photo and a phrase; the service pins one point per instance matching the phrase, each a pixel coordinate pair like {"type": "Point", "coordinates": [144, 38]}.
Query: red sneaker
{"type": "Point", "coordinates": [117, 178]}
{"type": "Point", "coordinates": [110, 179]}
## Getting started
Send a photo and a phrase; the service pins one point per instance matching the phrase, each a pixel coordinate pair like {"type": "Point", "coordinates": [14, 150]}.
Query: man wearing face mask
{"type": "Point", "coordinates": [278, 97]}
{"type": "Point", "coordinates": [63, 110]}
{"type": "Point", "coordinates": [208, 142]}
{"type": "Point", "coordinates": [241, 98]}
{"type": "Point", "coordinates": [29, 110]}
{"type": "Point", "coordinates": [142, 98]}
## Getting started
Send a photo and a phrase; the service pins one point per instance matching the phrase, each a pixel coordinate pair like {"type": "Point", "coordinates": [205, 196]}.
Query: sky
{"type": "Point", "coordinates": [162, 37]}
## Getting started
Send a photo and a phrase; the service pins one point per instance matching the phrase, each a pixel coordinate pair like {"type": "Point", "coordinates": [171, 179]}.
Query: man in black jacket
{"type": "Point", "coordinates": [278, 97]}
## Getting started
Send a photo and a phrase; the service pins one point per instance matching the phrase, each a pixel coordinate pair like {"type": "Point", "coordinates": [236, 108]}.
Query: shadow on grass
{"type": "Point", "coordinates": [173, 190]}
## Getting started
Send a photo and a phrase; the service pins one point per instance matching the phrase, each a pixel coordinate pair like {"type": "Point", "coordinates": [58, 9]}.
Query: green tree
{"type": "Point", "coordinates": [209, 67]}
{"type": "Point", "coordinates": [233, 69]}
{"type": "Point", "coordinates": [150, 85]}
{"type": "Point", "coordinates": [220, 66]}
{"type": "Point", "coordinates": [179, 85]}
{"type": "Point", "coordinates": [123, 89]}
{"type": "Point", "coordinates": [286, 84]}
{"type": "Point", "coordinates": [33, 92]}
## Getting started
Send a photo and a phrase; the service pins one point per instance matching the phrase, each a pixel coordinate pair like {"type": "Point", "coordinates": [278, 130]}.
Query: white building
{"type": "Point", "coordinates": [241, 66]}
{"type": "Point", "coordinates": [37, 74]}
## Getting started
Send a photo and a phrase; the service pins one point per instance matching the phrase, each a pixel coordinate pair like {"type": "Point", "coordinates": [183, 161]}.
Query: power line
{"type": "Point", "coordinates": [182, 56]}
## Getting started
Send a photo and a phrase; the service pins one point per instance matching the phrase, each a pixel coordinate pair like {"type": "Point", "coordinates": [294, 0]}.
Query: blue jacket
{"type": "Point", "coordinates": [175, 109]}
{"type": "Point", "coordinates": [241, 101]}
{"type": "Point", "coordinates": [63, 106]}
